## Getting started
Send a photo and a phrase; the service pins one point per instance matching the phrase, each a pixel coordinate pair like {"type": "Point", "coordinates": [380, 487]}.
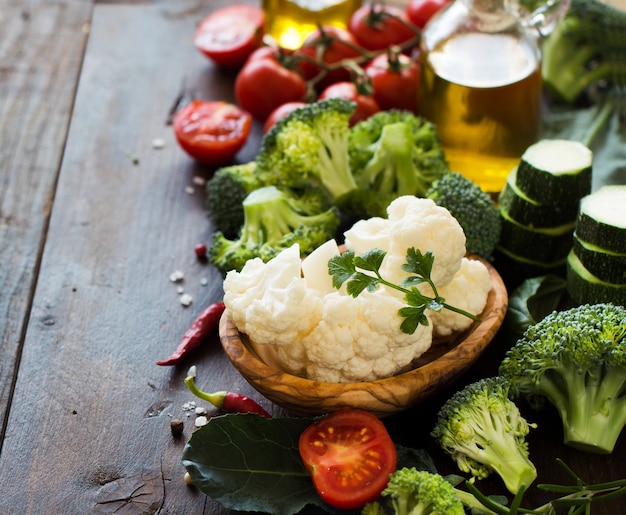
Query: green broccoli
{"type": "Point", "coordinates": [473, 208]}
{"type": "Point", "coordinates": [576, 360]}
{"type": "Point", "coordinates": [309, 148]}
{"type": "Point", "coordinates": [587, 47]}
{"type": "Point", "coordinates": [225, 192]}
{"type": "Point", "coordinates": [273, 221]}
{"type": "Point", "coordinates": [393, 153]}
{"type": "Point", "coordinates": [482, 429]}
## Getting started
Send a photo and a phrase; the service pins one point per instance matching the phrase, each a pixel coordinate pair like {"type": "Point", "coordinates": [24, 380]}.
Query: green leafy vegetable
{"type": "Point", "coordinates": [346, 268]}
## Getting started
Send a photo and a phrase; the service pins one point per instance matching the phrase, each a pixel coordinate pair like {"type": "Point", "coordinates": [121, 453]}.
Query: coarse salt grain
{"type": "Point", "coordinates": [200, 421]}
{"type": "Point", "coordinates": [158, 143]}
{"type": "Point", "coordinates": [177, 276]}
{"type": "Point", "coordinates": [189, 190]}
{"type": "Point", "coordinates": [200, 410]}
{"type": "Point", "coordinates": [186, 299]}
{"type": "Point", "coordinates": [204, 281]}
{"type": "Point", "coordinates": [189, 406]}
{"type": "Point", "coordinates": [199, 181]}
{"type": "Point", "coordinates": [180, 290]}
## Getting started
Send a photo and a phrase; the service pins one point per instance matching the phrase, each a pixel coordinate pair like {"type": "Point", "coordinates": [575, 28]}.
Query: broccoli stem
{"type": "Point", "coordinates": [334, 167]}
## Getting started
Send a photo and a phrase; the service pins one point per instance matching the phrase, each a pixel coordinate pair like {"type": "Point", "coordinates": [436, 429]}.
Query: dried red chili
{"type": "Point", "coordinates": [201, 328]}
{"type": "Point", "coordinates": [228, 401]}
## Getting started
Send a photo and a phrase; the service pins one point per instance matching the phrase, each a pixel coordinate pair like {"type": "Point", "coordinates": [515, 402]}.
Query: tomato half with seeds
{"type": "Point", "coordinates": [349, 454]}
{"type": "Point", "coordinates": [230, 34]}
{"type": "Point", "coordinates": [212, 132]}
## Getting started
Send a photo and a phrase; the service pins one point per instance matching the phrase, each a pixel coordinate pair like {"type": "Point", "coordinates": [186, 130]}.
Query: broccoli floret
{"type": "Point", "coordinates": [309, 148]}
{"type": "Point", "coordinates": [474, 209]}
{"type": "Point", "coordinates": [576, 360]}
{"type": "Point", "coordinates": [393, 153]}
{"type": "Point", "coordinates": [483, 431]}
{"type": "Point", "coordinates": [587, 46]}
{"type": "Point", "coordinates": [225, 192]}
{"type": "Point", "coordinates": [273, 221]}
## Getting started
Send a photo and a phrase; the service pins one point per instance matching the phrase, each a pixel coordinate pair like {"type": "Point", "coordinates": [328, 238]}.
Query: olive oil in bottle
{"type": "Point", "coordinates": [290, 21]}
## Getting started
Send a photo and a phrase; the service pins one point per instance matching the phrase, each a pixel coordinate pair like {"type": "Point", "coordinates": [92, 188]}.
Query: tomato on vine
{"type": "Point", "coordinates": [280, 112]}
{"type": "Point", "coordinates": [366, 105]}
{"type": "Point", "coordinates": [377, 27]}
{"type": "Point", "coordinates": [419, 12]}
{"type": "Point", "coordinates": [349, 454]}
{"type": "Point", "coordinates": [395, 80]}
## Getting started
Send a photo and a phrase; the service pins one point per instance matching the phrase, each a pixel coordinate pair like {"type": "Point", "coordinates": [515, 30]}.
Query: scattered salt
{"type": "Point", "coordinates": [177, 276]}
{"type": "Point", "coordinates": [199, 181]}
{"type": "Point", "coordinates": [158, 143]}
{"type": "Point", "coordinates": [186, 299]}
{"type": "Point", "coordinates": [189, 190]}
{"type": "Point", "coordinates": [201, 421]}
{"type": "Point", "coordinates": [204, 281]}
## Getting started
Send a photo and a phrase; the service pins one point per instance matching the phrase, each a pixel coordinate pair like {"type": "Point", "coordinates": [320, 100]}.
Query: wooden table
{"type": "Point", "coordinates": [93, 220]}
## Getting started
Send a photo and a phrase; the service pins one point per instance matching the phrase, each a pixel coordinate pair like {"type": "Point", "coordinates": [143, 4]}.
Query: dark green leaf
{"type": "Point", "coordinates": [371, 260]}
{"type": "Point", "coordinates": [341, 268]}
{"type": "Point", "coordinates": [411, 281]}
{"type": "Point", "coordinates": [360, 282]}
{"type": "Point", "coordinates": [418, 263]}
{"type": "Point", "coordinates": [251, 463]}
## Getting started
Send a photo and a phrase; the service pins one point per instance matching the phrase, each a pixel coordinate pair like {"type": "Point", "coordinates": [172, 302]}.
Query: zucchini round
{"type": "Point", "coordinates": [529, 212]}
{"type": "Point", "coordinates": [602, 218]}
{"type": "Point", "coordinates": [605, 265]}
{"type": "Point", "coordinates": [554, 169]}
{"type": "Point", "coordinates": [586, 288]}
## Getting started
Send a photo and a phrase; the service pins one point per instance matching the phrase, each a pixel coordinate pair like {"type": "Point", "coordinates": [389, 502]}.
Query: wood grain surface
{"type": "Point", "coordinates": [93, 220]}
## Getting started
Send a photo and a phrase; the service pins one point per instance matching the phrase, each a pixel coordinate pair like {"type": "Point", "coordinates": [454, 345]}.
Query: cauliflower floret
{"type": "Point", "coordinates": [368, 234]}
{"type": "Point", "coordinates": [359, 339]}
{"type": "Point", "coordinates": [422, 224]}
{"type": "Point", "coordinates": [270, 302]}
{"type": "Point", "coordinates": [468, 290]}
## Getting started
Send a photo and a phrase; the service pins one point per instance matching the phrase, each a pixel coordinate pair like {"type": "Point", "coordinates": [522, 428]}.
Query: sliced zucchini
{"type": "Point", "coordinates": [555, 169]}
{"type": "Point", "coordinates": [586, 288]}
{"type": "Point", "coordinates": [605, 265]}
{"type": "Point", "coordinates": [602, 218]}
{"type": "Point", "coordinates": [527, 211]}
{"type": "Point", "coordinates": [540, 245]}
{"type": "Point", "coordinates": [514, 269]}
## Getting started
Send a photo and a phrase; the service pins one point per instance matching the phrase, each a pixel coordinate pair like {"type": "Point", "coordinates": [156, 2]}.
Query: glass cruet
{"type": "Point", "coordinates": [481, 82]}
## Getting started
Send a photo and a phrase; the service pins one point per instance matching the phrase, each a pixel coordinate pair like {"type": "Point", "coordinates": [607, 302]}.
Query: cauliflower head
{"type": "Point", "coordinates": [468, 290]}
{"type": "Point", "coordinates": [359, 339]}
{"type": "Point", "coordinates": [422, 224]}
{"type": "Point", "coordinates": [270, 302]}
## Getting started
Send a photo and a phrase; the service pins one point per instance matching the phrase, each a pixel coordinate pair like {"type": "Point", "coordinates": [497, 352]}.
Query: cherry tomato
{"type": "Point", "coordinates": [395, 79]}
{"type": "Point", "coordinates": [374, 28]}
{"type": "Point", "coordinates": [212, 132]}
{"type": "Point", "coordinates": [419, 12]}
{"type": "Point", "coordinates": [349, 455]}
{"type": "Point", "coordinates": [330, 45]}
{"type": "Point", "coordinates": [280, 112]}
{"type": "Point", "coordinates": [366, 105]}
{"type": "Point", "coordinates": [230, 34]}
{"type": "Point", "coordinates": [263, 84]}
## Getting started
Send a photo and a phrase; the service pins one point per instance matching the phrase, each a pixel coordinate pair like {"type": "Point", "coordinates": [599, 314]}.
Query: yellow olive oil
{"type": "Point", "coordinates": [483, 93]}
{"type": "Point", "coordinates": [290, 21]}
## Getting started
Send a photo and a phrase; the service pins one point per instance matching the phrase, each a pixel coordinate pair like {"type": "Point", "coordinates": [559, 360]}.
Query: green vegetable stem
{"type": "Point", "coordinates": [344, 268]}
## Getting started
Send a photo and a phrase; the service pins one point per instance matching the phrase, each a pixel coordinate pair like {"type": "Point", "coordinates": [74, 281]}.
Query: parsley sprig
{"type": "Point", "coordinates": [353, 270]}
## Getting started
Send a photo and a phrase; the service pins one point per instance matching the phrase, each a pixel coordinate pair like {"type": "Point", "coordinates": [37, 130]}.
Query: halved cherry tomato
{"type": "Point", "coordinates": [349, 455]}
{"type": "Point", "coordinates": [230, 34]}
{"type": "Point", "coordinates": [420, 12]}
{"type": "Point", "coordinates": [366, 105]}
{"type": "Point", "coordinates": [280, 112]}
{"type": "Point", "coordinates": [328, 45]}
{"type": "Point", "coordinates": [263, 84]}
{"type": "Point", "coordinates": [395, 79]}
{"type": "Point", "coordinates": [377, 27]}
{"type": "Point", "coordinates": [212, 132]}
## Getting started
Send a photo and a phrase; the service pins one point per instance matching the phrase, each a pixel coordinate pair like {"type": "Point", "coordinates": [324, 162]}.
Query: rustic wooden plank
{"type": "Point", "coordinates": [41, 49]}
{"type": "Point", "coordinates": [89, 427]}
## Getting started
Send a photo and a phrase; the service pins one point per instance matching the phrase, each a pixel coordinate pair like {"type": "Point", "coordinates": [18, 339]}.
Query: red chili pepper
{"type": "Point", "coordinates": [228, 401]}
{"type": "Point", "coordinates": [201, 328]}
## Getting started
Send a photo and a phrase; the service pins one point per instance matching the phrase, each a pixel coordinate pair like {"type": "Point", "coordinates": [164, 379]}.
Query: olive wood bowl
{"type": "Point", "coordinates": [446, 359]}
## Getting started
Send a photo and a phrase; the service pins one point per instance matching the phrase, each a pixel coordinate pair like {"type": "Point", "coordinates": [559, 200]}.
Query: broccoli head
{"type": "Point", "coordinates": [587, 47]}
{"type": "Point", "coordinates": [225, 192]}
{"type": "Point", "coordinates": [393, 153]}
{"type": "Point", "coordinates": [309, 148]}
{"type": "Point", "coordinates": [273, 221]}
{"type": "Point", "coordinates": [474, 209]}
{"type": "Point", "coordinates": [483, 431]}
{"type": "Point", "coordinates": [576, 360]}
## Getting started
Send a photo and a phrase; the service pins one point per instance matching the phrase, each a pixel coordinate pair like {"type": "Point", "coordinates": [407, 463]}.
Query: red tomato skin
{"type": "Point", "coordinates": [373, 31]}
{"type": "Point", "coordinates": [360, 441]}
{"type": "Point", "coordinates": [280, 112]}
{"type": "Point", "coordinates": [240, 29]}
{"type": "Point", "coordinates": [211, 132]}
{"type": "Point", "coordinates": [315, 46]}
{"type": "Point", "coordinates": [263, 84]}
{"type": "Point", "coordinates": [366, 105]}
{"type": "Point", "coordinates": [394, 88]}
{"type": "Point", "coordinates": [419, 12]}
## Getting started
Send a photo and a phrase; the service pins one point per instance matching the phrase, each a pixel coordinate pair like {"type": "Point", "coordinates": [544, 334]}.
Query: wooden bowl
{"type": "Point", "coordinates": [447, 358]}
